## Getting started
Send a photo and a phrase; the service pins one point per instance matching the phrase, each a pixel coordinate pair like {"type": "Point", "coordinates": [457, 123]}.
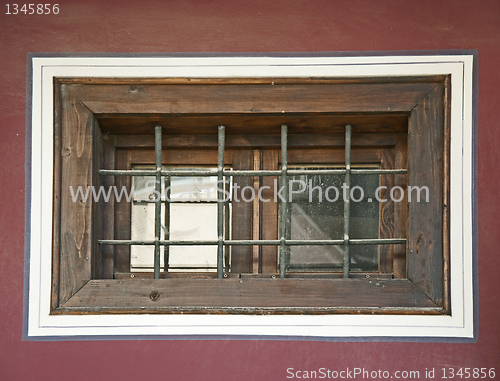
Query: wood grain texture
{"type": "Point", "coordinates": [122, 216]}
{"type": "Point", "coordinates": [269, 212]}
{"type": "Point", "coordinates": [446, 193]}
{"type": "Point", "coordinates": [241, 227]}
{"type": "Point", "coordinates": [76, 217]}
{"type": "Point", "coordinates": [256, 213]}
{"type": "Point", "coordinates": [333, 156]}
{"type": "Point", "coordinates": [265, 81]}
{"type": "Point", "coordinates": [400, 208]}
{"type": "Point", "coordinates": [386, 211]}
{"type": "Point", "coordinates": [257, 140]}
{"type": "Point", "coordinates": [248, 293]}
{"type": "Point", "coordinates": [56, 212]}
{"type": "Point", "coordinates": [252, 98]}
{"type": "Point", "coordinates": [425, 227]}
{"type": "Point", "coordinates": [108, 217]}
{"type": "Point", "coordinates": [98, 206]}
{"type": "Point", "coordinates": [244, 124]}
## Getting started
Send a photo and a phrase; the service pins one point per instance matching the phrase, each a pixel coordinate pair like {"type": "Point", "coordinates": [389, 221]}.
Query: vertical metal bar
{"type": "Point", "coordinates": [256, 233]}
{"type": "Point", "coordinates": [220, 204]}
{"type": "Point", "coordinates": [226, 226]}
{"type": "Point", "coordinates": [288, 224]}
{"type": "Point", "coordinates": [166, 231]}
{"type": "Point", "coordinates": [284, 208]}
{"type": "Point", "coordinates": [347, 200]}
{"type": "Point", "coordinates": [158, 162]}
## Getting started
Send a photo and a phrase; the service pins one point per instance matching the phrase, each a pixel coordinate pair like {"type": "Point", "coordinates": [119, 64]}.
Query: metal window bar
{"type": "Point", "coordinates": [220, 205]}
{"type": "Point", "coordinates": [262, 242]}
{"type": "Point", "coordinates": [223, 208]}
{"type": "Point", "coordinates": [347, 201]}
{"type": "Point", "coordinates": [166, 234]}
{"type": "Point", "coordinates": [284, 204]}
{"type": "Point", "coordinates": [209, 173]}
{"type": "Point", "coordinates": [158, 163]}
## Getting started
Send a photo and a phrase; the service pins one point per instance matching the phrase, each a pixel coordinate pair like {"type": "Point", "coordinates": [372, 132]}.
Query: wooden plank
{"type": "Point", "coordinates": [386, 211]}
{"type": "Point", "coordinates": [213, 275]}
{"type": "Point", "coordinates": [134, 82]}
{"type": "Point", "coordinates": [446, 193]}
{"type": "Point", "coordinates": [333, 156]}
{"type": "Point", "coordinates": [400, 208]}
{"type": "Point", "coordinates": [134, 294]}
{"type": "Point", "coordinates": [269, 212]}
{"type": "Point", "coordinates": [252, 98]}
{"type": "Point", "coordinates": [192, 157]}
{"type": "Point", "coordinates": [425, 240]}
{"type": "Point", "coordinates": [241, 256]}
{"type": "Point", "coordinates": [56, 201]}
{"type": "Point", "coordinates": [257, 141]}
{"type": "Point", "coordinates": [255, 123]}
{"type": "Point", "coordinates": [122, 214]}
{"type": "Point", "coordinates": [108, 218]}
{"type": "Point", "coordinates": [256, 213]}
{"type": "Point", "coordinates": [98, 206]}
{"type": "Point", "coordinates": [76, 217]}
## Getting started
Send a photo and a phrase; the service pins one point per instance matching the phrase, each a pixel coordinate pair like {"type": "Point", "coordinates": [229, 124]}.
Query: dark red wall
{"type": "Point", "coordinates": [245, 26]}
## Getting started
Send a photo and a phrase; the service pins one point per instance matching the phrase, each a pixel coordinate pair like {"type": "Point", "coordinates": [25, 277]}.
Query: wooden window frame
{"type": "Point", "coordinates": [83, 104]}
{"type": "Point", "coordinates": [75, 293]}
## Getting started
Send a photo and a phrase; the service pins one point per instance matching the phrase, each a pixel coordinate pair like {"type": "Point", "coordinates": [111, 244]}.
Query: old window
{"type": "Point", "coordinates": [251, 196]}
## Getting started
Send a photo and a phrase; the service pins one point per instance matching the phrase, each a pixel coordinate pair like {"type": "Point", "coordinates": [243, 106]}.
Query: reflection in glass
{"type": "Point", "coordinates": [321, 217]}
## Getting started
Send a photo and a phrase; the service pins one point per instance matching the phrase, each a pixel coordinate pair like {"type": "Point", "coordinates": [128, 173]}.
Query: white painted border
{"type": "Point", "coordinates": [458, 325]}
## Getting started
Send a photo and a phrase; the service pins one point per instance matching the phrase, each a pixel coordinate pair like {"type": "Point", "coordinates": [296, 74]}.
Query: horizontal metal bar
{"type": "Point", "coordinates": [260, 172]}
{"type": "Point", "coordinates": [270, 242]}
{"type": "Point", "coordinates": [378, 171]}
{"type": "Point", "coordinates": [299, 172]}
{"type": "Point", "coordinates": [176, 202]}
{"type": "Point", "coordinates": [150, 172]}
{"type": "Point", "coordinates": [130, 172]}
{"type": "Point", "coordinates": [213, 173]}
{"type": "Point", "coordinates": [176, 268]}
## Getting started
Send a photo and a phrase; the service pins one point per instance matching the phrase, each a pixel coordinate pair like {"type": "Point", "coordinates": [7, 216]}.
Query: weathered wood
{"type": "Point", "coordinates": [75, 217]}
{"type": "Point", "coordinates": [122, 213]}
{"type": "Point", "coordinates": [241, 256]}
{"type": "Point", "coordinates": [184, 156]}
{"type": "Point", "coordinates": [134, 295]}
{"type": "Point", "coordinates": [446, 193]}
{"type": "Point", "coordinates": [425, 229]}
{"type": "Point", "coordinates": [400, 208]}
{"type": "Point", "coordinates": [56, 214]}
{"type": "Point", "coordinates": [315, 114]}
{"type": "Point", "coordinates": [256, 213]}
{"type": "Point", "coordinates": [269, 212]}
{"type": "Point", "coordinates": [292, 275]}
{"type": "Point", "coordinates": [258, 140]}
{"type": "Point", "coordinates": [255, 123]}
{"type": "Point", "coordinates": [386, 211]}
{"type": "Point", "coordinates": [269, 81]}
{"type": "Point", "coordinates": [108, 217]}
{"type": "Point", "coordinates": [99, 206]}
{"type": "Point", "coordinates": [333, 156]}
{"type": "Point", "coordinates": [251, 98]}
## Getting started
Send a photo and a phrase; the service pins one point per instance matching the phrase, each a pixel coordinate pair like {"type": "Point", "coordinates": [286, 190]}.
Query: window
{"type": "Point", "coordinates": [275, 168]}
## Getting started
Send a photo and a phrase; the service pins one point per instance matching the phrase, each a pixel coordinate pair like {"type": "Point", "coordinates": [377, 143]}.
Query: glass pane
{"type": "Point", "coordinates": [193, 188]}
{"type": "Point", "coordinates": [192, 216]}
{"type": "Point", "coordinates": [317, 213]}
{"type": "Point", "coordinates": [143, 228]}
{"type": "Point", "coordinates": [190, 222]}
